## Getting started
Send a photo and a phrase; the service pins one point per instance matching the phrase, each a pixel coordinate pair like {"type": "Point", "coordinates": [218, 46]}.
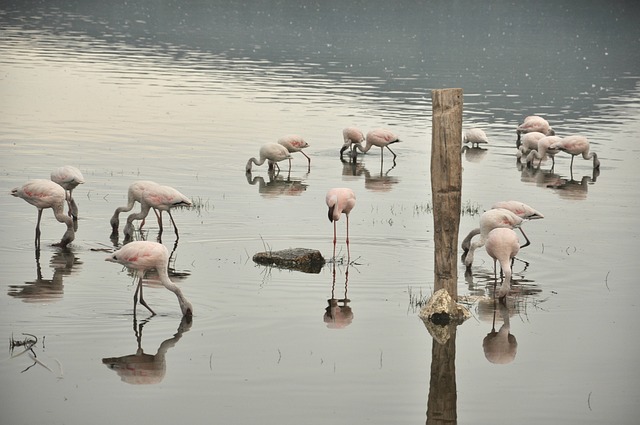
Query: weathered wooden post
{"type": "Point", "coordinates": [446, 185]}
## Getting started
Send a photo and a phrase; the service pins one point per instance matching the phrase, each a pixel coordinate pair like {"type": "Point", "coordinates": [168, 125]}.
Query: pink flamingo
{"type": "Point", "coordinates": [160, 198]}
{"type": "Point", "coordinates": [295, 143]}
{"type": "Point", "coordinates": [502, 245]}
{"type": "Point", "coordinates": [46, 194]}
{"type": "Point", "coordinates": [145, 255]}
{"type": "Point", "coordinates": [489, 220]}
{"type": "Point", "coordinates": [351, 136]}
{"type": "Point", "coordinates": [134, 195]}
{"type": "Point", "coordinates": [69, 177]}
{"type": "Point", "coordinates": [520, 209]}
{"type": "Point", "coordinates": [576, 145]}
{"type": "Point", "coordinates": [534, 123]}
{"type": "Point", "coordinates": [340, 200]}
{"type": "Point", "coordinates": [544, 148]}
{"type": "Point", "coordinates": [273, 152]}
{"type": "Point", "coordinates": [382, 138]}
{"type": "Point", "coordinates": [475, 136]}
{"type": "Point", "coordinates": [529, 142]}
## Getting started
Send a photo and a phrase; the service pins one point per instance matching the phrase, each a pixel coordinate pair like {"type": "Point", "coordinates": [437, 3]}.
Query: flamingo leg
{"type": "Point", "coordinates": [334, 241]}
{"type": "Point", "coordinates": [37, 241]}
{"type": "Point", "coordinates": [142, 301]}
{"type": "Point", "coordinates": [308, 159]}
{"type": "Point", "coordinates": [528, 242]}
{"type": "Point", "coordinates": [393, 153]}
{"type": "Point", "coordinates": [348, 250]}
{"type": "Point", "coordinates": [174, 224]}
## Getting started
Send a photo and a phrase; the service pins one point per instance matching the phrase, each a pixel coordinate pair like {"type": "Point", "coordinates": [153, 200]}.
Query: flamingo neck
{"type": "Point", "coordinates": [185, 305]}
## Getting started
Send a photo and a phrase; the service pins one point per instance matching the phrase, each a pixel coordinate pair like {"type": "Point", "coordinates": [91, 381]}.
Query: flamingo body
{"type": "Point", "coordinates": [534, 123]}
{"type": "Point", "coordinates": [294, 143]}
{"type": "Point", "coordinates": [272, 152]}
{"type": "Point", "coordinates": [134, 195]}
{"type": "Point", "coordinates": [44, 194]}
{"type": "Point", "coordinates": [489, 220]}
{"type": "Point", "coordinates": [381, 138]}
{"type": "Point", "coordinates": [475, 136]}
{"type": "Point", "coordinates": [351, 136]}
{"type": "Point", "coordinates": [529, 142]}
{"type": "Point", "coordinates": [142, 256]}
{"type": "Point", "coordinates": [502, 245]}
{"type": "Point", "coordinates": [340, 201]}
{"type": "Point", "coordinates": [576, 145]}
{"type": "Point", "coordinates": [544, 148]}
{"type": "Point", "coordinates": [69, 177]}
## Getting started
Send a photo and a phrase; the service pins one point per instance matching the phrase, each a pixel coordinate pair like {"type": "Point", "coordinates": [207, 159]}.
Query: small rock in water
{"type": "Point", "coordinates": [302, 259]}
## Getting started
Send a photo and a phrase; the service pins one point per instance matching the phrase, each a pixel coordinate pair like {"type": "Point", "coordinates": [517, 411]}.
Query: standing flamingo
{"type": "Point", "coordinates": [295, 143]}
{"type": "Point", "coordinates": [160, 198]}
{"type": "Point", "coordinates": [544, 148]}
{"type": "Point", "coordinates": [340, 200]}
{"type": "Point", "coordinates": [351, 136]}
{"type": "Point", "coordinates": [489, 220]}
{"type": "Point", "coordinates": [134, 195]}
{"type": "Point", "coordinates": [502, 245]}
{"type": "Point", "coordinates": [475, 136]}
{"type": "Point", "coordinates": [534, 123]}
{"type": "Point", "coordinates": [382, 138]}
{"type": "Point", "coordinates": [145, 255]}
{"type": "Point", "coordinates": [576, 145]}
{"type": "Point", "coordinates": [273, 152]}
{"type": "Point", "coordinates": [46, 194]}
{"type": "Point", "coordinates": [69, 177]}
{"type": "Point", "coordinates": [520, 209]}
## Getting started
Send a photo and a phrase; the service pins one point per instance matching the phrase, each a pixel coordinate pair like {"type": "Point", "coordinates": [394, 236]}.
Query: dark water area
{"type": "Point", "coordinates": [184, 93]}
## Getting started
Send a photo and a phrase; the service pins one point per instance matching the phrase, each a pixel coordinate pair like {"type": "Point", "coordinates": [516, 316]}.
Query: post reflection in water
{"type": "Point", "coordinates": [442, 400]}
{"type": "Point", "coordinates": [277, 185]}
{"type": "Point", "coordinates": [63, 262]}
{"type": "Point", "coordinates": [141, 368]}
{"type": "Point", "coordinates": [338, 314]}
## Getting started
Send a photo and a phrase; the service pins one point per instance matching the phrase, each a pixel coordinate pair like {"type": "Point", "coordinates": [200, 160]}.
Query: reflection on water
{"type": "Point", "coordinates": [472, 154]}
{"type": "Point", "coordinates": [63, 262]}
{"type": "Point", "coordinates": [500, 347]}
{"type": "Point", "coordinates": [277, 185]}
{"type": "Point", "coordinates": [141, 368]}
{"type": "Point", "coordinates": [565, 188]}
{"type": "Point", "coordinates": [338, 314]}
{"type": "Point", "coordinates": [377, 182]}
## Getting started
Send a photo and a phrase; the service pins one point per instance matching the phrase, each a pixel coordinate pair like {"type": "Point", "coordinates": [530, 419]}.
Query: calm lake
{"type": "Point", "coordinates": [184, 93]}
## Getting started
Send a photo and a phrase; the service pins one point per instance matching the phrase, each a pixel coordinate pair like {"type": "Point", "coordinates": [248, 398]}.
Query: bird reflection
{"type": "Point", "coordinates": [141, 368]}
{"type": "Point", "coordinates": [500, 347]}
{"type": "Point", "coordinates": [381, 182]}
{"type": "Point", "coordinates": [563, 187]}
{"type": "Point", "coordinates": [63, 263]}
{"type": "Point", "coordinates": [474, 154]}
{"type": "Point", "coordinates": [277, 185]}
{"type": "Point", "coordinates": [338, 314]}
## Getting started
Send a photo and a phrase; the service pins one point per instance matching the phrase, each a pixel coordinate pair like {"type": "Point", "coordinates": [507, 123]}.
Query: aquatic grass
{"type": "Point", "coordinates": [417, 301]}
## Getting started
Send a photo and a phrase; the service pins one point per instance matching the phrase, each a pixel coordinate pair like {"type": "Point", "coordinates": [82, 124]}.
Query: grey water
{"type": "Point", "coordinates": [184, 93]}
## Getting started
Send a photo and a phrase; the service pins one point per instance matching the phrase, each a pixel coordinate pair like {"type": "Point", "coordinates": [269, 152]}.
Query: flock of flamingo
{"type": "Point", "coordinates": [535, 140]}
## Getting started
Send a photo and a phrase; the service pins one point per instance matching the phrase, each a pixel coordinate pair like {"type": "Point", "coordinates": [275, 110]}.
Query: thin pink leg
{"type": "Point", "coordinates": [348, 251]}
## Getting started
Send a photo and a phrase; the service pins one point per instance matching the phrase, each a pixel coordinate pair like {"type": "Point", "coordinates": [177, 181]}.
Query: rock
{"type": "Point", "coordinates": [302, 259]}
{"type": "Point", "coordinates": [441, 313]}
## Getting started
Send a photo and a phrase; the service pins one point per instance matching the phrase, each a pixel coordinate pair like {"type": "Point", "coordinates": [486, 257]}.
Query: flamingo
{"type": "Point", "coordinates": [351, 136]}
{"type": "Point", "coordinates": [534, 123]}
{"type": "Point", "coordinates": [295, 143]}
{"type": "Point", "coordinates": [502, 245]}
{"type": "Point", "coordinates": [529, 142]}
{"type": "Point", "coordinates": [576, 145]}
{"type": "Point", "coordinates": [340, 200]}
{"type": "Point", "coordinates": [134, 195]}
{"type": "Point", "coordinates": [544, 148]}
{"type": "Point", "coordinates": [273, 152]}
{"type": "Point", "coordinates": [43, 194]}
{"type": "Point", "coordinates": [146, 255]}
{"type": "Point", "coordinates": [69, 177]}
{"type": "Point", "coordinates": [475, 136]}
{"type": "Point", "coordinates": [489, 220]}
{"type": "Point", "coordinates": [520, 209]}
{"type": "Point", "coordinates": [160, 198]}
{"type": "Point", "coordinates": [382, 138]}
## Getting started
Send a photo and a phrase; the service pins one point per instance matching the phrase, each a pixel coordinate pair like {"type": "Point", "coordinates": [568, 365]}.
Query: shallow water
{"type": "Point", "coordinates": [184, 95]}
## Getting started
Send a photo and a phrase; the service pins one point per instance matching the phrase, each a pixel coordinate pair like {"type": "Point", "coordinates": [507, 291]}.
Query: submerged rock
{"type": "Point", "coordinates": [441, 313]}
{"type": "Point", "coordinates": [302, 259]}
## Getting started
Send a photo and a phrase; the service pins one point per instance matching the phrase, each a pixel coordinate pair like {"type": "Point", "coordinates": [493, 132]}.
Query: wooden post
{"type": "Point", "coordinates": [446, 185]}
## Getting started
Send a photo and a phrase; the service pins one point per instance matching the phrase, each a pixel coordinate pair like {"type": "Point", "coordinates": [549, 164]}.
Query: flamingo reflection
{"type": "Point", "coordinates": [500, 347]}
{"type": "Point", "coordinates": [338, 314]}
{"type": "Point", "coordinates": [277, 185]}
{"type": "Point", "coordinates": [146, 369]}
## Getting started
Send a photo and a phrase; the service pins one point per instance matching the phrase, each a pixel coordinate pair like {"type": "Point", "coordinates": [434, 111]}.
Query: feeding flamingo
{"type": "Point", "coordinates": [293, 144]}
{"type": "Point", "coordinates": [534, 123]}
{"type": "Point", "coordinates": [160, 198]}
{"type": "Point", "coordinates": [520, 209]}
{"type": "Point", "coordinates": [340, 200]}
{"type": "Point", "coordinates": [529, 142]}
{"type": "Point", "coordinates": [145, 255]}
{"type": "Point", "coordinates": [489, 220]}
{"type": "Point", "coordinates": [544, 148]}
{"type": "Point", "coordinates": [46, 194]}
{"type": "Point", "coordinates": [576, 145]}
{"type": "Point", "coordinates": [351, 136]}
{"type": "Point", "coordinates": [502, 245]}
{"type": "Point", "coordinates": [475, 136]}
{"type": "Point", "coordinates": [379, 137]}
{"type": "Point", "coordinates": [273, 152]}
{"type": "Point", "coordinates": [69, 177]}
{"type": "Point", "coordinates": [134, 195]}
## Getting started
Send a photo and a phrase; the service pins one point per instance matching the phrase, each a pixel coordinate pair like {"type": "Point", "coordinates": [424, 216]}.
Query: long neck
{"type": "Point", "coordinates": [365, 149]}
{"type": "Point", "coordinates": [466, 242]}
{"type": "Point", "coordinates": [255, 161]}
{"type": "Point", "coordinates": [185, 305]}
{"type": "Point", "coordinates": [144, 211]}
{"type": "Point", "coordinates": [69, 235]}
{"type": "Point", "coordinates": [115, 220]}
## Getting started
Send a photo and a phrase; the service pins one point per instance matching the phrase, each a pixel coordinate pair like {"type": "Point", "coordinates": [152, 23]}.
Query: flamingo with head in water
{"type": "Point", "coordinates": [502, 245]}
{"type": "Point", "coordinates": [142, 256]}
{"type": "Point", "coordinates": [475, 137]}
{"type": "Point", "coordinates": [44, 194]}
{"type": "Point", "coordinates": [295, 143]}
{"type": "Point", "coordinates": [351, 136]}
{"type": "Point", "coordinates": [69, 177]}
{"type": "Point", "coordinates": [340, 200]}
{"type": "Point", "coordinates": [272, 152]}
{"type": "Point", "coordinates": [534, 123]}
{"type": "Point", "coordinates": [576, 145]}
{"type": "Point", "coordinates": [134, 195]}
{"type": "Point", "coordinates": [381, 138]}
